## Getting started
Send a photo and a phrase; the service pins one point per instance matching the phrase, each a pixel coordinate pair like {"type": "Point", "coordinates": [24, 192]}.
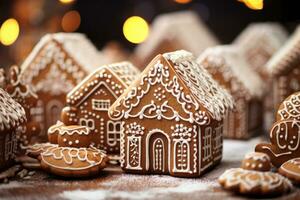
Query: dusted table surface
{"type": "Point", "coordinates": [113, 184]}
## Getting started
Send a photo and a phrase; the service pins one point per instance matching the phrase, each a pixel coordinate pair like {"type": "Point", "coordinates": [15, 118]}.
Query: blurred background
{"type": "Point", "coordinates": [24, 22]}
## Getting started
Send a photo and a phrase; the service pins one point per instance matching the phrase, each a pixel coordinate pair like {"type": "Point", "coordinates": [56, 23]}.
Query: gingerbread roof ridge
{"type": "Point", "coordinates": [165, 27]}
{"type": "Point", "coordinates": [216, 102]}
{"type": "Point", "coordinates": [89, 79]}
{"type": "Point", "coordinates": [77, 45]}
{"type": "Point", "coordinates": [265, 30]}
{"type": "Point", "coordinates": [12, 114]}
{"type": "Point", "coordinates": [228, 57]}
{"type": "Point", "coordinates": [287, 56]}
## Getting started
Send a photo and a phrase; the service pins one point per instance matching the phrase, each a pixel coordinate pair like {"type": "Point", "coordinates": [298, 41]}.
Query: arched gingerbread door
{"type": "Point", "coordinates": [158, 153]}
{"type": "Point", "coordinates": [53, 111]}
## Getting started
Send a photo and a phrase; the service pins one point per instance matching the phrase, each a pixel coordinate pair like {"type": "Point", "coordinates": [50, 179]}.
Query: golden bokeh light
{"type": "Point", "coordinates": [66, 1]}
{"type": "Point", "coordinates": [9, 32]}
{"type": "Point", "coordinates": [254, 4]}
{"type": "Point", "coordinates": [183, 1]}
{"type": "Point", "coordinates": [71, 21]}
{"type": "Point", "coordinates": [135, 29]}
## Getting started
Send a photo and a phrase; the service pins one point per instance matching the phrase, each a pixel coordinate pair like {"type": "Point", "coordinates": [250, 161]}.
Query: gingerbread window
{"type": "Point", "coordinates": [207, 143]}
{"type": "Point", "coordinates": [113, 133]}
{"type": "Point", "coordinates": [87, 122]}
{"type": "Point", "coordinates": [100, 105]}
{"type": "Point", "coordinates": [10, 146]}
{"type": "Point", "coordinates": [218, 138]}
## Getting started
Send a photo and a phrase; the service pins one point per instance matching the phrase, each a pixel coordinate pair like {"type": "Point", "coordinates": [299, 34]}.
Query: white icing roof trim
{"type": "Point", "coordinates": [12, 114]}
{"type": "Point", "coordinates": [184, 26]}
{"type": "Point", "coordinates": [255, 34]}
{"type": "Point", "coordinates": [238, 66]}
{"type": "Point", "coordinates": [288, 52]}
{"type": "Point", "coordinates": [77, 45]}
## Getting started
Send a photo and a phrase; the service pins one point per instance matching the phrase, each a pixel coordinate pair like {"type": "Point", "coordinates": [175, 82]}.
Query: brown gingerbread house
{"type": "Point", "coordinates": [88, 103]}
{"type": "Point", "coordinates": [229, 68]}
{"type": "Point", "coordinates": [12, 115]}
{"type": "Point", "coordinates": [56, 64]}
{"type": "Point", "coordinates": [171, 118]}
{"type": "Point", "coordinates": [258, 42]}
{"type": "Point", "coordinates": [284, 68]}
{"type": "Point", "coordinates": [173, 31]}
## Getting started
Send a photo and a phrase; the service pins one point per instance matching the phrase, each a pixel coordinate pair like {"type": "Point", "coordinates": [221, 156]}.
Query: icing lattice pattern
{"type": "Point", "coordinates": [11, 113]}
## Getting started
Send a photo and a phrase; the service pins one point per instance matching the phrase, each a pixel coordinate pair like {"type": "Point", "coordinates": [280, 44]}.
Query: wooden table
{"type": "Point", "coordinates": [113, 184]}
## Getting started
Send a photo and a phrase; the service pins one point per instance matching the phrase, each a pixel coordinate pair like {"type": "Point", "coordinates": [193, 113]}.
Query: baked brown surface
{"type": "Point", "coordinates": [256, 161]}
{"type": "Point", "coordinates": [291, 170]}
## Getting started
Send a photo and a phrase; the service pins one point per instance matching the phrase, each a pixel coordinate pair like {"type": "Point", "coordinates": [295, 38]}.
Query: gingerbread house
{"type": "Point", "coordinates": [12, 115]}
{"type": "Point", "coordinates": [56, 64]}
{"type": "Point", "coordinates": [284, 68]}
{"type": "Point", "coordinates": [171, 118]}
{"type": "Point", "coordinates": [88, 103]}
{"type": "Point", "coordinates": [258, 42]}
{"type": "Point", "coordinates": [173, 31]}
{"type": "Point", "coordinates": [229, 68]}
{"type": "Point", "coordinates": [27, 98]}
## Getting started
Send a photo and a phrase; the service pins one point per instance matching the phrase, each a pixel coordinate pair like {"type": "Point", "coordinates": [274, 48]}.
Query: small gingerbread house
{"type": "Point", "coordinates": [258, 42]}
{"type": "Point", "coordinates": [171, 118]}
{"type": "Point", "coordinates": [88, 103]}
{"type": "Point", "coordinates": [12, 115]}
{"type": "Point", "coordinates": [56, 64]}
{"type": "Point", "coordinates": [229, 68]}
{"type": "Point", "coordinates": [284, 68]}
{"type": "Point", "coordinates": [173, 31]}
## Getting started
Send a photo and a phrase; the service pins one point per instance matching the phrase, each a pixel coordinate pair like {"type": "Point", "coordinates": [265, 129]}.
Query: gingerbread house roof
{"type": "Point", "coordinates": [12, 114]}
{"type": "Point", "coordinates": [270, 36]}
{"type": "Point", "coordinates": [184, 26]}
{"type": "Point", "coordinates": [287, 57]}
{"type": "Point", "coordinates": [191, 85]}
{"type": "Point", "coordinates": [234, 68]}
{"type": "Point", "coordinates": [124, 72]}
{"type": "Point", "coordinates": [76, 45]}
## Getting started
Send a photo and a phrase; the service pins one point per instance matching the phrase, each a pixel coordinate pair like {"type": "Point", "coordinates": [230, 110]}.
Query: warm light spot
{"type": "Point", "coordinates": [135, 29]}
{"type": "Point", "coordinates": [183, 1]}
{"type": "Point", "coordinates": [71, 21]}
{"type": "Point", "coordinates": [9, 32]}
{"type": "Point", "coordinates": [254, 4]}
{"type": "Point", "coordinates": [66, 1]}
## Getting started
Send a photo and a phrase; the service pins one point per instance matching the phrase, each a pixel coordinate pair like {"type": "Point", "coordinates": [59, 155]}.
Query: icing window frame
{"type": "Point", "coordinates": [207, 151]}
{"type": "Point", "coordinates": [87, 122]}
{"type": "Point", "coordinates": [218, 137]}
{"type": "Point", "coordinates": [100, 104]}
{"type": "Point", "coordinates": [113, 133]}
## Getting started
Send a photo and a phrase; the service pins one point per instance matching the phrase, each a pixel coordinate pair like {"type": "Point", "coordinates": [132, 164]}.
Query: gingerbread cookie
{"type": "Point", "coordinates": [291, 170]}
{"type": "Point", "coordinates": [256, 161]}
{"type": "Point", "coordinates": [73, 162]}
{"type": "Point", "coordinates": [248, 182]}
{"type": "Point", "coordinates": [285, 140]}
{"type": "Point", "coordinates": [35, 150]}
{"type": "Point", "coordinates": [70, 136]}
{"type": "Point", "coordinates": [290, 108]}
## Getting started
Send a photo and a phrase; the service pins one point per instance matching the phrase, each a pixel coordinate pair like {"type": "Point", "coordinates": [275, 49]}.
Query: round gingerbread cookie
{"type": "Point", "coordinates": [254, 183]}
{"type": "Point", "coordinates": [291, 170]}
{"type": "Point", "coordinates": [73, 162]}
{"type": "Point", "coordinates": [256, 161]}
{"type": "Point", "coordinates": [35, 150]}
{"type": "Point", "coordinates": [53, 132]}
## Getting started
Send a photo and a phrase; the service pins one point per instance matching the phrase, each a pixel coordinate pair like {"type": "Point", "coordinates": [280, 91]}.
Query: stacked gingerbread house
{"type": "Point", "coordinates": [57, 64]}
{"type": "Point", "coordinates": [89, 101]}
{"type": "Point", "coordinates": [229, 68]}
{"type": "Point", "coordinates": [258, 42]}
{"type": "Point", "coordinates": [171, 118]}
{"type": "Point", "coordinates": [284, 68]}
{"type": "Point", "coordinates": [172, 31]}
